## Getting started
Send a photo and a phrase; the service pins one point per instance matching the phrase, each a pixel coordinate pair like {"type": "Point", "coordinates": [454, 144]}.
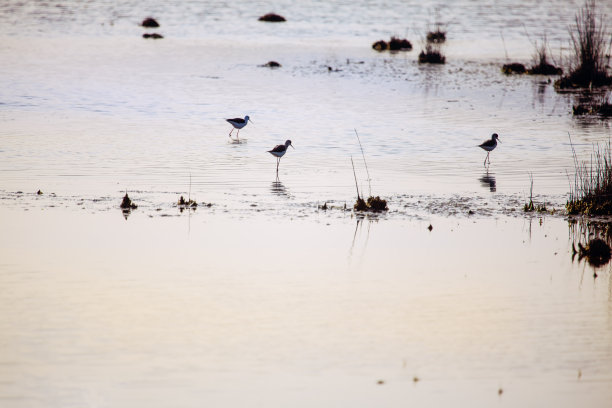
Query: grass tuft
{"type": "Point", "coordinates": [592, 190]}
{"type": "Point", "coordinates": [591, 43]}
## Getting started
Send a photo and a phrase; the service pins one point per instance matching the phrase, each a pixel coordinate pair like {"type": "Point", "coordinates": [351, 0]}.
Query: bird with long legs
{"type": "Point", "coordinates": [279, 151]}
{"type": "Point", "coordinates": [238, 123]}
{"type": "Point", "coordinates": [489, 145]}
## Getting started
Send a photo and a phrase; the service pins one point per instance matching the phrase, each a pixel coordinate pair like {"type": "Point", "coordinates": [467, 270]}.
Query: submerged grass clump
{"type": "Point", "coordinates": [189, 203]}
{"type": "Point", "coordinates": [432, 55]}
{"type": "Point", "coordinates": [530, 206]}
{"type": "Point", "coordinates": [127, 204]}
{"type": "Point", "coordinates": [513, 68]}
{"type": "Point", "coordinates": [591, 44]}
{"type": "Point", "coordinates": [373, 204]}
{"type": "Point", "coordinates": [592, 190]}
{"type": "Point", "coordinates": [394, 44]}
{"type": "Point", "coordinates": [436, 37]}
{"type": "Point", "coordinates": [541, 65]}
{"type": "Point", "coordinates": [590, 104]}
{"type": "Point", "coordinates": [596, 251]}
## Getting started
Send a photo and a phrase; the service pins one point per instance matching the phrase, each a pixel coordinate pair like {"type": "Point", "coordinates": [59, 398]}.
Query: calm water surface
{"type": "Point", "coordinates": [261, 299]}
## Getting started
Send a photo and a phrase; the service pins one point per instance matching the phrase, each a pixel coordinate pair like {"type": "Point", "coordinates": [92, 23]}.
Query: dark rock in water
{"type": "Point", "coordinates": [399, 44]}
{"type": "Point", "coordinates": [272, 18]}
{"type": "Point", "coordinates": [597, 252]}
{"type": "Point", "coordinates": [149, 22]}
{"type": "Point", "coordinates": [513, 68]}
{"type": "Point", "coordinates": [380, 45]}
{"type": "Point", "coordinates": [153, 36]}
{"type": "Point", "coordinates": [545, 69]}
{"type": "Point", "coordinates": [271, 64]}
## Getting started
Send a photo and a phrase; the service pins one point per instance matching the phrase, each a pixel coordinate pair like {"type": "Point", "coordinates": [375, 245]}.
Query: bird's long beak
{"type": "Point", "coordinates": [498, 140]}
{"type": "Point", "coordinates": [250, 120]}
{"type": "Point", "coordinates": [292, 145]}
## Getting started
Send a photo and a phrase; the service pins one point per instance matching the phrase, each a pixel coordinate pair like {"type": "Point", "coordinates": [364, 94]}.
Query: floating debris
{"type": "Point", "coordinates": [272, 18]}
{"type": "Point", "coordinates": [380, 382]}
{"type": "Point", "coordinates": [39, 192]}
{"type": "Point", "coordinates": [430, 227]}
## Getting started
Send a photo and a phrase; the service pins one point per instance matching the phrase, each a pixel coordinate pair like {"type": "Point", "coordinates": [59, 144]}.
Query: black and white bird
{"type": "Point", "coordinates": [279, 151]}
{"type": "Point", "coordinates": [238, 123]}
{"type": "Point", "coordinates": [489, 145]}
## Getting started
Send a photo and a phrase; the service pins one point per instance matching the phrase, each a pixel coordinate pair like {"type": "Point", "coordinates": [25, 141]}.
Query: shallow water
{"type": "Point", "coordinates": [262, 291]}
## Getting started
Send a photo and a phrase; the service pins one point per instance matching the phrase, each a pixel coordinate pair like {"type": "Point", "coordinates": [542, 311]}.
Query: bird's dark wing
{"type": "Point", "coordinates": [278, 148]}
{"type": "Point", "coordinates": [488, 143]}
{"type": "Point", "coordinates": [237, 120]}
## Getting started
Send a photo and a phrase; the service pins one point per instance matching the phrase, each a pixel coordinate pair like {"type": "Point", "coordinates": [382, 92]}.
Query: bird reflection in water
{"type": "Point", "coordinates": [279, 189]}
{"type": "Point", "coordinates": [488, 180]}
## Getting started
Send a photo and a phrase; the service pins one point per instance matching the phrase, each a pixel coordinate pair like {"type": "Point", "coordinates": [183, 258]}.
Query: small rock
{"type": "Point", "coordinates": [149, 22]}
{"type": "Point", "coordinates": [154, 36]}
{"type": "Point", "coordinates": [272, 18]}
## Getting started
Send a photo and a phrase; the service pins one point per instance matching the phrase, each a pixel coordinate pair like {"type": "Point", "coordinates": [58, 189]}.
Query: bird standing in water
{"type": "Point", "coordinates": [489, 145]}
{"type": "Point", "coordinates": [238, 123]}
{"type": "Point", "coordinates": [279, 151]}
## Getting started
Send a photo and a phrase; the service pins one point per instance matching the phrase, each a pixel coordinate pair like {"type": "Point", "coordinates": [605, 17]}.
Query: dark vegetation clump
{"type": "Point", "coordinates": [127, 204]}
{"type": "Point", "coordinates": [374, 204]}
{"type": "Point", "coordinates": [394, 44]}
{"type": "Point", "coordinates": [596, 236]}
{"type": "Point", "coordinates": [596, 251]}
{"type": "Point", "coordinates": [591, 43]}
{"type": "Point", "coordinates": [149, 22]}
{"type": "Point", "coordinates": [189, 203]}
{"type": "Point", "coordinates": [399, 44]}
{"type": "Point", "coordinates": [530, 206]}
{"type": "Point", "coordinates": [594, 105]}
{"type": "Point", "coordinates": [153, 36]}
{"type": "Point", "coordinates": [431, 55]}
{"type": "Point", "coordinates": [541, 65]}
{"type": "Point", "coordinates": [513, 68]}
{"type": "Point", "coordinates": [592, 191]}
{"type": "Point", "coordinates": [377, 204]}
{"type": "Point", "coordinates": [271, 64]}
{"type": "Point", "coordinates": [436, 37]}
{"type": "Point", "coordinates": [272, 18]}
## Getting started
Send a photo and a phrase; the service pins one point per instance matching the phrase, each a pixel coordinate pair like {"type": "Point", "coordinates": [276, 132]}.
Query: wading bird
{"type": "Point", "coordinates": [238, 123]}
{"type": "Point", "coordinates": [279, 151]}
{"type": "Point", "coordinates": [489, 145]}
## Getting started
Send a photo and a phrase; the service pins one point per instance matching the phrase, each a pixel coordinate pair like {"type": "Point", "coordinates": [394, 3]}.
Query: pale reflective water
{"type": "Point", "coordinates": [261, 299]}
